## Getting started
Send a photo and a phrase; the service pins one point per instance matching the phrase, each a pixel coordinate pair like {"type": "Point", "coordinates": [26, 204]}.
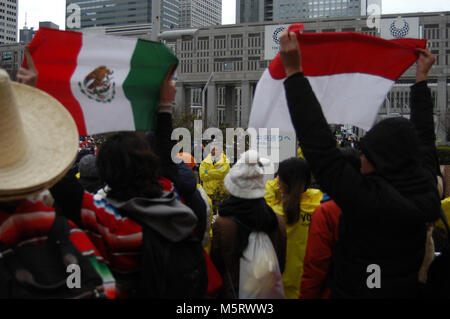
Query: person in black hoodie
{"type": "Point", "coordinates": [385, 206]}
{"type": "Point", "coordinates": [244, 212]}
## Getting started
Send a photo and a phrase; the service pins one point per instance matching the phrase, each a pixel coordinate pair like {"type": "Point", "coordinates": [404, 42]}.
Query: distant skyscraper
{"type": "Point", "coordinates": [365, 5]}
{"type": "Point", "coordinates": [8, 21]}
{"type": "Point", "coordinates": [48, 24]}
{"type": "Point", "coordinates": [280, 10]}
{"type": "Point", "coordinates": [26, 34]}
{"type": "Point", "coordinates": [254, 10]}
{"type": "Point", "coordinates": [291, 10]}
{"type": "Point", "coordinates": [99, 13]}
{"type": "Point", "coordinates": [199, 13]}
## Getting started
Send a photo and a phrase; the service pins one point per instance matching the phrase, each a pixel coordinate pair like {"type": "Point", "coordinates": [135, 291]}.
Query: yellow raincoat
{"type": "Point", "coordinates": [207, 243]}
{"type": "Point", "coordinates": [297, 234]}
{"type": "Point", "coordinates": [445, 203]}
{"type": "Point", "coordinates": [300, 153]}
{"type": "Point", "coordinates": [212, 175]}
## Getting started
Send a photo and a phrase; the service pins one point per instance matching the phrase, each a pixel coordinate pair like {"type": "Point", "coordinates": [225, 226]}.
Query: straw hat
{"type": "Point", "coordinates": [38, 140]}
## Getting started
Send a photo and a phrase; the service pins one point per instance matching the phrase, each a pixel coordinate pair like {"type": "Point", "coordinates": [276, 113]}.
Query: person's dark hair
{"type": "Point", "coordinates": [352, 156]}
{"type": "Point", "coordinates": [295, 174]}
{"type": "Point", "coordinates": [127, 165]}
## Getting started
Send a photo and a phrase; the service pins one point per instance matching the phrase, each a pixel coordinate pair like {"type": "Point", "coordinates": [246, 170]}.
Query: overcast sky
{"type": "Point", "coordinates": [54, 10]}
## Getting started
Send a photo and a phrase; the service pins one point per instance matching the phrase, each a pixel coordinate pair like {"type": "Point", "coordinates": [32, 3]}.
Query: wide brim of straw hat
{"type": "Point", "coordinates": [51, 139]}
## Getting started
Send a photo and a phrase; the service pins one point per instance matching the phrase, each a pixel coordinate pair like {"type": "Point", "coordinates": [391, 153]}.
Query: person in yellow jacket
{"type": "Point", "coordinates": [300, 152]}
{"type": "Point", "coordinates": [288, 195]}
{"type": "Point", "coordinates": [213, 170]}
{"type": "Point", "coordinates": [445, 203]}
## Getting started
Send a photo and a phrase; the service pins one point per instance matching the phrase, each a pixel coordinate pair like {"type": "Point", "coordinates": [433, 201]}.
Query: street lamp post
{"type": "Point", "coordinates": [156, 19]}
{"type": "Point", "coordinates": [204, 119]}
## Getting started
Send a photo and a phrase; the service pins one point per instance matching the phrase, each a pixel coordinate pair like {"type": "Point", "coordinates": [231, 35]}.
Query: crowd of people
{"type": "Point", "coordinates": [141, 226]}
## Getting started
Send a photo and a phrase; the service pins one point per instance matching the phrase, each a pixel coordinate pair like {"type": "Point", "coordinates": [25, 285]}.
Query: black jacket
{"type": "Point", "coordinates": [180, 174]}
{"type": "Point", "coordinates": [384, 214]}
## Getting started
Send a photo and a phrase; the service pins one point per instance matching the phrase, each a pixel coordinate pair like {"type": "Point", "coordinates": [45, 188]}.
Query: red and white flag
{"type": "Point", "coordinates": [350, 74]}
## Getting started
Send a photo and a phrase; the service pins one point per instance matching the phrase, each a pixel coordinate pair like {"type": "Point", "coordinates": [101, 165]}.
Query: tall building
{"type": "Point", "coordinates": [48, 24]}
{"type": "Point", "coordinates": [8, 21]}
{"type": "Point", "coordinates": [200, 13]}
{"type": "Point", "coordinates": [26, 34]}
{"type": "Point", "coordinates": [254, 10]}
{"type": "Point", "coordinates": [291, 10]}
{"type": "Point", "coordinates": [279, 10]}
{"type": "Point", "coordinates": [102, 13]}
{"type": "Point", "coordinates": [365, 6]}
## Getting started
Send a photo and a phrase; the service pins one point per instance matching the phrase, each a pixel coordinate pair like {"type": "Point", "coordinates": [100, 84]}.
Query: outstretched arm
{"type": "Point", "coordinates": [335, 175]}
{"type": "Point", "coordinates": [422, 111]}
{"type": "Point", "coordinates": [28, 75]}
{"type": "Point", "coordinates": [164, 127]}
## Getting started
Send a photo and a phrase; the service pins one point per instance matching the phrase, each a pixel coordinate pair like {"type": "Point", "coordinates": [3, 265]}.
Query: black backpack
{"type": "Point", "coordinates": [40, 271]}
{"type": "Point", "coordinates": [438, 283]}
{"type": "Point", "coordinates": [172, 270]}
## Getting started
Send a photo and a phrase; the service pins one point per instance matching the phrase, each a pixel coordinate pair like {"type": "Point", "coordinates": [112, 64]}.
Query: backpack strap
{"type": "Point", "coordinates": [231, 283]}
{"type": "Point", "coordinates": [240, 223]}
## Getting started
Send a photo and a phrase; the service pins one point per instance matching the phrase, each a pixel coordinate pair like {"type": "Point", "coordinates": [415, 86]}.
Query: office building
{"type": "Point", "coordinates": [11, 57]}
{"type": "Point", "coordinates": [254, 11]}
{"type": "Point", "coordinates": [281, 10]}
{"type": "Point", "coordinates": [106, 13]}
{"type": "Point", "coordinates": [291, 10]}
{"type": "Point", "coordinates": [26, 34]}
{"type": "Point", "coordinates": [8, 21]}
{"type": "Point", "coordinates": [200, 13]}
{"type": "Point", "coordinates": [48, 24]}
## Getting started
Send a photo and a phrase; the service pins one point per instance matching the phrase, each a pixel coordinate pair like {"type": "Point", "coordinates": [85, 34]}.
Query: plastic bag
{"type": "Point", "coordinates": [260, 276]}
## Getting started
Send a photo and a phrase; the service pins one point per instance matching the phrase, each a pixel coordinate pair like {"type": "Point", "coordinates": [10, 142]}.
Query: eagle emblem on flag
{"type": "Point", "coordinates": [98, 85]}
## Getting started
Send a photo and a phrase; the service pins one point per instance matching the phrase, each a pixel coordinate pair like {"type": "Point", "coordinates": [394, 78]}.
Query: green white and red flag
{"type": "Point", "coordinates": [107, 83]}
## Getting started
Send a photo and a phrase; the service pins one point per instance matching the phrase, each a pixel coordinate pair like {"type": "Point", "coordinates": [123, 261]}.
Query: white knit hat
{"type": "Point", "coordinates": [246, 178]}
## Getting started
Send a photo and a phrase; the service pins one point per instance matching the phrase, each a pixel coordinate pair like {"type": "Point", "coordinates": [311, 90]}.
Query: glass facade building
{"type": "Point", "coordinates": [291, 10]}
{"type": "Point", "coordinates": [102, 13]}
{"type": "Point", "coordinates": [8, 21]}
{"type": "Point", "coordinates": [279, 10]}
{"type": "Point", "coordinates": [200, 13]}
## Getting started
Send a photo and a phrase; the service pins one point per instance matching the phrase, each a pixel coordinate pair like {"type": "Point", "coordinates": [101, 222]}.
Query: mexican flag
{"type": "Point", "coordinates": [107, 83]}
{"type": "Point", "coordinates": [350, 74]}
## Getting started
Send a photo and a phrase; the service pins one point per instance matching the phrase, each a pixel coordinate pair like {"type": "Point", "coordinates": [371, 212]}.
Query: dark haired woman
{"type": "Point", "coordinates": [137, 194]}
{"type": "Point", "coordinates": [289, 196]}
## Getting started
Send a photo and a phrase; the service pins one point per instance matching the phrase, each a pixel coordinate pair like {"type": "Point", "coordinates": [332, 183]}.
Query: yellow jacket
{"type": "Point", "coordinates": [300, 152]}
{"type": "Point", "coordinates": [206, 242]}
{"type": "Point", "coordinates": [212, 175]}
{"type": "Point", "coordinates": [445, 203]}
{"type": "Point", "coordinates": [297, 234]}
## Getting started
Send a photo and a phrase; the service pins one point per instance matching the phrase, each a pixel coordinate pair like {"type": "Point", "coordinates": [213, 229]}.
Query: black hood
{"type": "Point", "coordinates": [393, 147]}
